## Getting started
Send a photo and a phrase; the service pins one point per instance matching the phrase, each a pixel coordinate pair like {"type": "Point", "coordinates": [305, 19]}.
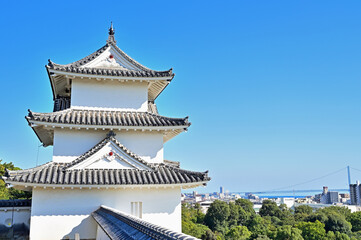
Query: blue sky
{"type": "Point", "coordinates": [272, 88]}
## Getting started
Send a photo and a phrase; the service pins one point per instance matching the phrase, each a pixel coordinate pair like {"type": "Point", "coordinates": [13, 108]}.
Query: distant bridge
{"type": "Point", "coordinates": [291, 191]}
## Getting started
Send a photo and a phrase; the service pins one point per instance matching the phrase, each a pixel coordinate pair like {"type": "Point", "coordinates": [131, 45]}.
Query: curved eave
{"type": "Point", "coordinates": [45, 130]}
{"type": "Point", "coordinates": [60, 81]}
{"type": "Point", "coordinates": [30, 186]}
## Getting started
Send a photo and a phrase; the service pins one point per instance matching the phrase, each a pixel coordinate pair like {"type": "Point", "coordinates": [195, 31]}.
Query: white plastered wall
{"type": "Point", "coordinates": [101, 235]}
{"type": "Point", "coordinates": [109, 95]}
{"type": "Point", "coordinates": [70, 144]}
{"type": "Point", "coordinates": [59, 213]}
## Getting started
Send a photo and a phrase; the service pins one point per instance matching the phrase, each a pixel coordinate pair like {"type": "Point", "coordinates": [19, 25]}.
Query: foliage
{"type": "Point", "coordinates": [334, 219]}
{"type": "Point", "coordinates": [238, 220]}
{"type": "Point", "coordinates": [337, 223]}
{"type": "Point", "coordinates": [312, 230]}
{"type": "Point", "coordinates": [270, 208]}
{"type": "Point", "coordinates": [303, 209]}
{"type": "Point", "coordinates": [233, 214]}
{"type": "Point", "coordinates": [209, 235]}
{"type": "Point", "coordinates": [342, 211]}
{"type": "Point", "coordinates": [288, 232]}
{"type": "Point", "coordinates": [10, 193]}
{"type": "Point", "coordinates": [192, 217]}
{"type": "Point", "coordinates": [355, 220]}
{"type": "Point", "coordinates": [217, 216]}
{"type": "Point", "coordinates": [258, 226]}
{"type": "Point", "coordinates": [238, 233]}
{"type": "Point", "coordinates": [246, 205]}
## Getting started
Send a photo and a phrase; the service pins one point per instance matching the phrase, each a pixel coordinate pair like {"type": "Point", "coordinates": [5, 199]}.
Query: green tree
{"type": "Point", "coordinates": [262, 237]}
{"type": "Point", "coordinates": [10, 193]}
{"type": "Point", "coordinates": [337, 223]}
{"type": "Point", "coordinates": [341, 236]}
{"type": "Point", "coordinates": [269, 208]}
{"type": "Point", "coordinates": [303, 209]}
{"type": "Point", "coordinates": [355, 220]}
{"type": "Point", "coordinates": [246, 205]}
{"type": "Point", "coordinates": [190, 219]}
{"type": "Point", "coordinates": [217, 216]}
{"type": "Point", "coordinates": [317, 216]}
{"type": "Point", "coordinates": [238, 233]}
{"type": "Point", "coordinates": [233, 214]}
{"type": "Point", "coordinates": [245, 210]}
{"type": "Point", "coordinates": [288, 232]}
{"type": "Point", "coordinates": [336, 236]}
{"type": "Point", "coordinates": [258, 226]}
{"type": "Point", "coordinates": [209, 235]}
{"type": "Point", "coordinates": [286, 215]}
{"type": "Point", "coordinates": [312, 230]}
{"type": "Point", "coordinates": [342, 211]}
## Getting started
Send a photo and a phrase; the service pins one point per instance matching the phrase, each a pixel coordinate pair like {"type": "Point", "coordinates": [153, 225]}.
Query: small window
{"type": "Point", "coordinates": [136, 209]}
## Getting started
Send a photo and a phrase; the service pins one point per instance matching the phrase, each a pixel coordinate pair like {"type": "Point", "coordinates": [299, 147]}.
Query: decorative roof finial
{"type": "Point", "coordinates": [111, 29]}
{"type": "Point", "coordinates": [111, 38]}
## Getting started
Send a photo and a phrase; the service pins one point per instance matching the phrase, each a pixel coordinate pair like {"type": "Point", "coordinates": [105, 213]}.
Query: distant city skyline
{"type": "Point", "coordinates": [272, 88]}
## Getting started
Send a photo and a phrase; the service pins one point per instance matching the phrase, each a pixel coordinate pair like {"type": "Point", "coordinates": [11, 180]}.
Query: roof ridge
{"type": "Point", "coordinates": [130, 59]}
{"type": "Point", "coordinates": [95, 54]}
{"type": "Point", "coordinates": [150, 229]}
{"type": "Point", "coordinates": [82, 61]}
{"type": "Point", "coordinates": [109, 138]}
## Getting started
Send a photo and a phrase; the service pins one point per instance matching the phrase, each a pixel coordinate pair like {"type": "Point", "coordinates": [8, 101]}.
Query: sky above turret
{"type": "Point", "coordinates": [272, 88]}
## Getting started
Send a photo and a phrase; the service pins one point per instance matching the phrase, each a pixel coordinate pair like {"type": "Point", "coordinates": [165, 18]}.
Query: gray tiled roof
{"type": "Point", "coordinates": [15, 203]}
{"type": "Point", "coordinates": [77, 67]}
{"type": "Point", "coordinates": [109, 118]}
{"type": "Point", "coordinates": [110, 72]}
{"type": "Point", "coordinates": [118, 225]}
{"type": "Point", "coordinates": [55, 173]}
{"type": "Point", "coordinates": [61, 174]}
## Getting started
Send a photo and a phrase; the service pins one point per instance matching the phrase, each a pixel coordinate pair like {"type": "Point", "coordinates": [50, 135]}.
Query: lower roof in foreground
{"type": "Point", "coordinates": [56, 175]}
{"type": "Point", "coordinates": [118, 225]}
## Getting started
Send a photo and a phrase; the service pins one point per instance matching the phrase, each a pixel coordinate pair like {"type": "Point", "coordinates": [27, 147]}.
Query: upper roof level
{"type": "Point", "coordinates": [109, 63]}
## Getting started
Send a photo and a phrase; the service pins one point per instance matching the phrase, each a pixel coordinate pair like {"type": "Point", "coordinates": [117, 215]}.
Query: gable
{"type": "Point", "coordinates": [111, 156]}
{"type": "Point", "coordinates": [111, 59]}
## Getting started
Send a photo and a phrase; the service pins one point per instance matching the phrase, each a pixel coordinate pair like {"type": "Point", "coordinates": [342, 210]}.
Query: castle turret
{"type": "Point", "coordinates": [107, 138]}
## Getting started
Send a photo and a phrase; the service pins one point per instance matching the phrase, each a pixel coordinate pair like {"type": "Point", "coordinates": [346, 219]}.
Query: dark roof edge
{"type": "Point", "coordinates": [141, 225]}
{"type": "Point", "coordinates": [27, 119]}
{"type": "Point", "coordinates": [31, 114]}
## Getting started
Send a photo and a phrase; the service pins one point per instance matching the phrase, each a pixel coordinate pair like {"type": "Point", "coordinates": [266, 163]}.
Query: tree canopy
{"type": "Point", "coordinates": [238, 220]}
{"type": "Point", "coordinates": [10, 193]}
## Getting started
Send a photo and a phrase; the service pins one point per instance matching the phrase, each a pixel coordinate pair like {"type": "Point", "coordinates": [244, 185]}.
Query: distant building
{"type": "Point", "coordinates": [329, 197]}
{"type": "Point", "coordinates": [252, 196]}
{"type": "Point", "coordinates": [325, 190]}
{"type": "Point", "coordinates": [332, 197]}
{"type": "Point", "coordinates": [221, 190]}
{"type": "Point", "coordinates": [317, 198]}
{"type": "Point", "coordinates": [344, 195]}
{"type": "Point", "coordinates": [355, 196]}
